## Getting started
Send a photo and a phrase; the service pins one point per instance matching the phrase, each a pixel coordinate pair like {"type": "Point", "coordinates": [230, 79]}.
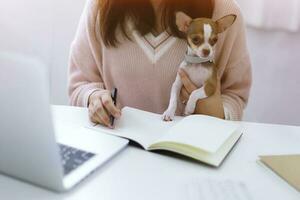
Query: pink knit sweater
{"type": "Point", "coordinates": [144, 69]}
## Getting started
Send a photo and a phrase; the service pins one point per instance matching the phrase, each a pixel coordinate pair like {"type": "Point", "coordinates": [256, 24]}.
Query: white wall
{"type": "Point", "coordinates": [27, 27]}
{"type": "Point", "coordinates": [275, 95]}
{"type": "Point", "coordinates": [46, 29]}
{"type": "Point", "coordinates": [66, 17]}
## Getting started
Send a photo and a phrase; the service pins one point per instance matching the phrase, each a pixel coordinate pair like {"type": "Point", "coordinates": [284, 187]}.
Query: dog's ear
{"type": "Point", "coordinates": [225, 22]}
{"type": "Point", "coordinates": [183, 21]}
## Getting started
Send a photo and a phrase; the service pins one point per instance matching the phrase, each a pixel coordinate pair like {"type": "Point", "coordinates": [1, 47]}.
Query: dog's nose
{"type": "Point", "coordinates": [206, 52]}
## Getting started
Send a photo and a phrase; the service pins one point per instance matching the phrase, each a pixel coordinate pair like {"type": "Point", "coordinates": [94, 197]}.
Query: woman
{"type": "Point", "coordinates": [134, 45]}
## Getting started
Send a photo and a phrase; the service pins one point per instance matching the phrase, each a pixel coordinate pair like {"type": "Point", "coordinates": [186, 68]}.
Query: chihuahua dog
{"type": "Point", "coordinates": [202, 36]}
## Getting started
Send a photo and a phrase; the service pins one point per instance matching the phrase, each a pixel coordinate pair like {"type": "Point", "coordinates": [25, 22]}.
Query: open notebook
{"type": "Point", "coordinates": [201, 137]}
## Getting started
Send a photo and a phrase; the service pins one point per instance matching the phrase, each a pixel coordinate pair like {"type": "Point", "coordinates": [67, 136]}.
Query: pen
{"type": "Point", "coordinates": [114, 98]}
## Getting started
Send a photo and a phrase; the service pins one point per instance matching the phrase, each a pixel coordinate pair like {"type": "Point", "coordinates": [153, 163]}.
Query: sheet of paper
{"type": "Point", "coordinates": [217, 189]}
{"type": "Point", "coordinates": [204, 132]}
{"type": "Point", "coordinates": [140, 126]}
{"type": "Point", "coordinates": [286, 166]}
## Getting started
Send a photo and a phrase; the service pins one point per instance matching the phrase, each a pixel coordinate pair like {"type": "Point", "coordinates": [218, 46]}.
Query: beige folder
{"type": "Point", "coordinates": [286, 166]}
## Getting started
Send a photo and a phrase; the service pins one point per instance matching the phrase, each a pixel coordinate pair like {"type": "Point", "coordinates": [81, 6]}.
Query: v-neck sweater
{"type": "Point", "coordinates": [145, 68]}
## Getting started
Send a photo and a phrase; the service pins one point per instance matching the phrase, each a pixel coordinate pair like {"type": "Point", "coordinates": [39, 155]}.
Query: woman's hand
{"type": "Point", "coordinates": [211, 105]}
{"type": "Point", "coordinates": [101, 107]}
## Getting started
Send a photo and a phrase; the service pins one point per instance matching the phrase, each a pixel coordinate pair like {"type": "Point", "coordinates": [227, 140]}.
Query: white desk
{"type": "Point", "coordinates": [138, 174]}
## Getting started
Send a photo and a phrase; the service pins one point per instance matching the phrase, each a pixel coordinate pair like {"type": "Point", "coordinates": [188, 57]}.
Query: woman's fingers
{"type": "Point", "coordinates": [93, 114]}
{"type": "Point", "coordinates": [102, 114]}
{"type": "Point", "coordinates": [97, 112]}
{"type": "Point", "coordinates": [110, 106]}
{"type": "Point", "coordinates": [187, 83]}
{"type": "Point", "coordinates": [96, 119]}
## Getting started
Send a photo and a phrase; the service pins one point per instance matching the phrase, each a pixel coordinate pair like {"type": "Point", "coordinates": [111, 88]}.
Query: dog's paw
{"type": "Point", "coordinates": [168, 115]}
{"type": "Point", "coordinates": [189, 109]}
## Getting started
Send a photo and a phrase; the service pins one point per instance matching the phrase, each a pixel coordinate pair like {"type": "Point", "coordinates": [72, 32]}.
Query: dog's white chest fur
{"type": "Point", "coordinates": [197, 73]}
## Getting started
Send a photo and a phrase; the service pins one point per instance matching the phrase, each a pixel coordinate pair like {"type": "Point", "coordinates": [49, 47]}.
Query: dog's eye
{"type": "Point", "coordinates": [213, 40]}
{"type": "Point", "coordinates": [196, 40]}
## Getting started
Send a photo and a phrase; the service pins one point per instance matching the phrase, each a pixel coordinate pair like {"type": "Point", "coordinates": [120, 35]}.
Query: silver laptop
{"type": "Point", "coordinates": [30, 146]}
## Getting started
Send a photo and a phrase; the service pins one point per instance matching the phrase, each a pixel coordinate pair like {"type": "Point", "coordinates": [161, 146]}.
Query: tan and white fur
{"type": "Point", "coordinates": [202, 36]}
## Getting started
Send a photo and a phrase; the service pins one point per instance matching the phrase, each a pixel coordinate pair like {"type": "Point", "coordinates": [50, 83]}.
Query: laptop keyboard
{"type": "Point", "coordinates": [73, 158]}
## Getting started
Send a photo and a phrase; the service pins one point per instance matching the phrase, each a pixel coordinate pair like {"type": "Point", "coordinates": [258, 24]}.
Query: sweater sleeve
{"type": "Point", "coordinates": [236, 88]}
{"type": "Point", "coordinates": [237, 76]}
{"type": "Point", "coordinates": [85, 59]}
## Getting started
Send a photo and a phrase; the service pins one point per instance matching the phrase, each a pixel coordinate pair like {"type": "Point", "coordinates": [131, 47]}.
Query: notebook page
{"type": "Point", "coordinates": [140, 126]}
{"type": "Point", "coordinates": [204, 132]}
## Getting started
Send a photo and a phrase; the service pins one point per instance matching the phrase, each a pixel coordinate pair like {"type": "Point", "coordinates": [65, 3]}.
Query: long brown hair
{"type": "Point", "coordinates": [113, 14]}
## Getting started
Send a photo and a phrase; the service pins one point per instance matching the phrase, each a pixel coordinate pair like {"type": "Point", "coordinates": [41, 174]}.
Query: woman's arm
{"type": "Point", "coordinates": [85, 60]}
{"type": "Point", "coordinates": [212, 105]}
{"type": "Point", "coordinates": [86, 87]}
{"type": "Point", "coordinates": [231, 95]}
{"type": "Point", "coordinates": [235, 88]}
{"type": "Point", "coordinates": [236, 79]}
